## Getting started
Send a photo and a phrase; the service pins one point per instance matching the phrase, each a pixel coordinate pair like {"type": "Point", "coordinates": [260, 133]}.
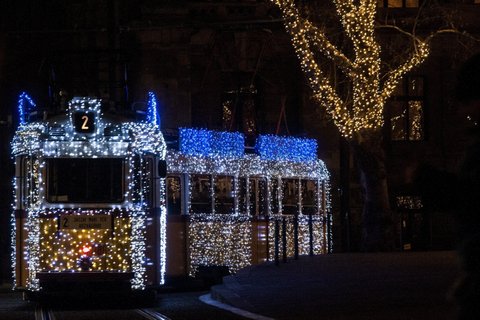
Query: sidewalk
{"type": "Point", "coordinates": [398, 285]}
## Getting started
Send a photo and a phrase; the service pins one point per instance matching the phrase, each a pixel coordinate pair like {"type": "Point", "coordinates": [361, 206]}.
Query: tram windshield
{"type": "Point", "coordinates": [81, 180]}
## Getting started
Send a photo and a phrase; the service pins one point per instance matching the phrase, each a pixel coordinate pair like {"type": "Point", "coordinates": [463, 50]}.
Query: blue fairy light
{"type": "Point", "coordinates": [207, 143]}
{"type": "Point", "coordinates": [152, 111]}
{"type": "Point", "coordinates": [228, 144]}
{"type": "Point", "coordinates": [24, 109]}
{"type": "Point", "coordinates": [271, 147]}
{"type": "Point", "coordinates": [195, 141]}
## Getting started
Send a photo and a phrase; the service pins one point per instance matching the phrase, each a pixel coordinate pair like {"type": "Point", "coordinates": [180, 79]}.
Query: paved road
{"type": "Point", "coordinates": [169, 306]}
{"type": "Point", "coordinates": [338, 286]}
{"type": "Point", "coordinates": [411, 285]}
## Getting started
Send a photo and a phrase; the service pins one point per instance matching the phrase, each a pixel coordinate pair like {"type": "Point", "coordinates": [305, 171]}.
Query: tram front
{"type": "Point", "coordinates": [89, 205]}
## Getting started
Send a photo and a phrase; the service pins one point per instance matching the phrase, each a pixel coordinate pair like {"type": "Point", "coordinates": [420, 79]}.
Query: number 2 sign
{"type": "Point", "coordinates": [84, 122]}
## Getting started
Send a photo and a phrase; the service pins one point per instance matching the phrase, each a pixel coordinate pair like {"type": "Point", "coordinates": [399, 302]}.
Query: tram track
{"type": "Point", "coordinates": [149, 314]}
{"type": "Point", "coordinates": [44, 314]}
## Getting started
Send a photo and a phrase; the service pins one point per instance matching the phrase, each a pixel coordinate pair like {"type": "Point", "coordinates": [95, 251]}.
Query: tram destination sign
{"type": "Point", "coordinates": [69, 221]}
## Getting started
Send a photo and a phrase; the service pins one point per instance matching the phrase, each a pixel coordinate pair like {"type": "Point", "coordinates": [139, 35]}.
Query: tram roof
{"type": "Point", "coordinates": [107, 135]}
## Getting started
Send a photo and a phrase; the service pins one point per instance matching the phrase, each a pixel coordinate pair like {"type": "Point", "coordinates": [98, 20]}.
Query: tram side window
{"type": "Point", "coordinates": [274, 201]}
{"type": "Point", "coordinates": [201, 194]}
{"type": "Point", "coordinates": [174, 195]}
{"type": "Point", "coordinates": [224, 195]}
{"type": "Point", "coordinates": [84, 180]}
{"type": "Point", "coordinates": [242, 195]}
{"type": "Point", "coordinates": [258, 196]}
{"type": "Point", "coordinates": [309, 197]}
{"type": "Point", "coordinates": [290, 196]}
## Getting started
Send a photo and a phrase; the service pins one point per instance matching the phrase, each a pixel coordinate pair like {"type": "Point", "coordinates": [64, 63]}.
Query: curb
{"type": "Point", "coordinates": [207, 299]}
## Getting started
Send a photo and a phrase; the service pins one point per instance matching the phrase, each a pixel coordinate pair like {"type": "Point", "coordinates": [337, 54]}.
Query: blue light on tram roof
{"type": "Point", "coordinates": [25, 106]}
{"type": "Point", "coordinates": [202, 142]}
{"type": "Point", "coordinates": [152, 109]}
{"type": "Point", "coordinates": [272, 147]}
{"type": "Point", "coordinates": [228, 144]}
{"type": "Point", "coordinates": [195, 141]}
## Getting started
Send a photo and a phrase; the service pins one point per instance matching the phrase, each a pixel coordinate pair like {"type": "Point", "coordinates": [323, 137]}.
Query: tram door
{"type": "Point", "coordinates": [258, 196]}
{"type": "Point", "coordinates": [176, 226]}
{"type": "Point", "coordinates": [258, 208]}
{"type": "Point", "coordinates": [22, 165]}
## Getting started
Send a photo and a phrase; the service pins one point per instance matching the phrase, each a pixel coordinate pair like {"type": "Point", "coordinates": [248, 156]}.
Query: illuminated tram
{"type": "Point", "coordinates": [89, 201]}
{"type": "Point", "coordinates": [101, 199]}
{"type": "Point", "coordinates": [223, 203]}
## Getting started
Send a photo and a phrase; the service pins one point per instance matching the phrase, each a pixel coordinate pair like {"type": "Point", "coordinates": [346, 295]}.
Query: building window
{"type": "Point", "coordinates": [406, 111]}
{"type": "Point", "coordinates": [398, 3]}
{"type": "Point", "coordinates": [412, 219]}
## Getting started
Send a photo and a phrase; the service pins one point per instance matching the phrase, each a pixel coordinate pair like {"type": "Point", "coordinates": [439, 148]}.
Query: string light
{"type": "Point", "coordinates": [319, 235]}
{"type": "Point", "coordinates": [152, 111]}
{"type": "Point", "coordinates": [23, 109]}
{"type": "Point", "coordinates": [219, 240]}
{"type": "Point", "coordinates": [365, 110]}
{"type": "Point", "coordinates": [211, 143]}
{"type": "Point", "coordinates": [283, 148]}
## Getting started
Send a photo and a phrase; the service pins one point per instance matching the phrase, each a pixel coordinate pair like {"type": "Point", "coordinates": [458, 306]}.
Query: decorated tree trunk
{"type": "Point", "coordinates": [377, 222]}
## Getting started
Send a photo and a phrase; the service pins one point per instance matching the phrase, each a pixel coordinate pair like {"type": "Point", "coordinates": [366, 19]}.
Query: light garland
{"type": "Point", "coordinates": [138, 247]}
{"type": "Point", "coordinates": [249, 165]}
{"type": "Point", "coordinates": [220, 240]}
{"type": "Point", "coordinates": [152, 111]}
{"type": "Point", "coordinates": [13, 234]}
{"type": "Point", "coordinates": [211, 143]}
{"type": "Point", "coordinates": [365, 111]}
{"type": "Point", "coordinates": [60, 248]}
{"type": "Point", "coordinates": [319, 235]}
{"type": "Point", "coordinates": [50, 251]}
{"type": "Point", "coordinates": [23, 109]}
{"type": "Point", "coordinates": [163, 233]}
{"type": "Point", "coordinates": [272, 147]}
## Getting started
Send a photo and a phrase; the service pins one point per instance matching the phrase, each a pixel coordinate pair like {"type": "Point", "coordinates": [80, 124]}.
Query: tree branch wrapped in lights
{"type": "Point", "coordinates": [359, 118]}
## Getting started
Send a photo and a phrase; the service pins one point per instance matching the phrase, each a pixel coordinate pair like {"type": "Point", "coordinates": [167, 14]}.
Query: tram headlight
{"type": "Point", "coordinates": [86, 250]}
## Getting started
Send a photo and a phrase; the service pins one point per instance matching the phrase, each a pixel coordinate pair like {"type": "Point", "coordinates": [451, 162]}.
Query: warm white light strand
{"type": "Point", "coordinates": [365, 112]}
